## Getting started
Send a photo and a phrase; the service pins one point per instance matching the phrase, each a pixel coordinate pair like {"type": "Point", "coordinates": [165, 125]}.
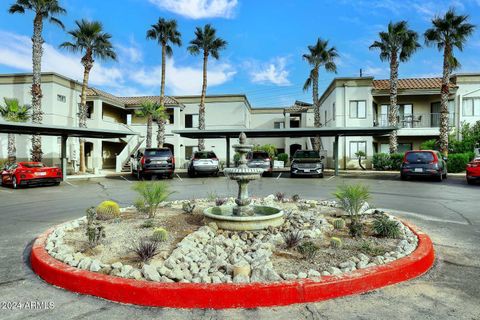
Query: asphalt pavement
{"type": "Point", "coordinates": [449, 212]}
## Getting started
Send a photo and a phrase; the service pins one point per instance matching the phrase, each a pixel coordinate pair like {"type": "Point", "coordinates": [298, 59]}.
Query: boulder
{"type": "Point", "coordinates": [150, 273]}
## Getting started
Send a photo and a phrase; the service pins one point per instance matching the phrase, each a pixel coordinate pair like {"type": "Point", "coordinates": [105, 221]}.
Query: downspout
{"type": "Point", "coordinates": [344, 125]}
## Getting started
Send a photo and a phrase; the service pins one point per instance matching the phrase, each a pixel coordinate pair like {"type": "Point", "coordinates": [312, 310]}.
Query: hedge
{"type": "Point", "coordinates": [385, 161]}
{"type": "Point", "coordinates": [458, 161]}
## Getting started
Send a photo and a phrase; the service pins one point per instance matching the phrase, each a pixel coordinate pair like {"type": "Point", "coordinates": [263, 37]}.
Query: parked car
{"type": "Point", "coordinates": [307, 163]}
{"type": "Point", "coordinates": [29, 174]}
{"type": "Point", "coordinates": [473, 171]}
{"type": "Point", "coordinates": [424, 163]}
{"type": "Point", "coordinates": [260, 159]}
{"type": "Point", "coordinates": [203, 162]}
{"type": "Point", "coordinates": [153, 162]}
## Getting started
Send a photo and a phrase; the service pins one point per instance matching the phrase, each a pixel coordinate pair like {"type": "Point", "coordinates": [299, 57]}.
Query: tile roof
{"type": "Point", "coordinates": [130, 101]}
{"type": "Point", "coordinates": [414, 83]}
{"type": "Point", "coordinates": [299, 106]}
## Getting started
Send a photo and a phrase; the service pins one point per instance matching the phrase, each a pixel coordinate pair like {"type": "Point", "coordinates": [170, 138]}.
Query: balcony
{"type": "Point", "coordinates": [426, 120]}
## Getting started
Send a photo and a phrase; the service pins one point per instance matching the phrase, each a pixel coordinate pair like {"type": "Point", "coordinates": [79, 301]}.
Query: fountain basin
{"type": "Point", "coordinates": [263, 218]}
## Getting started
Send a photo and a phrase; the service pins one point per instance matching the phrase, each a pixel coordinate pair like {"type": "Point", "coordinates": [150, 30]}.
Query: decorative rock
{"type": "Point", "coordinates": [289, 276]}
{"type": "Point", "coordinates": [241, 270]}
{"type": "Point", "coordinates": [302, 275]}
{"type": "Point", "coordinates": [334, 271]}
{"type": "Point", "coordinates": [125, 271]}
{"type": "Point", "coordinates": [117, 265]}
{"type": "Point", "coordinates": [325, 273]}
{"type": "Point", "coordinates": [85, 263]}
{"type": "Point", "coordinates": [378, 260]}
{"type": "Point", "coordinates": [136, 274]}
{"type": "Point", "coordinates": [241, 279]}
{"type": "Point", "coordinates": [313, 273]}
{"type": "Point", "coordinates": [95, 266]}
{"type": "Point", "coordinates": [363, 257]}
{"type": "Point", "coordinates": [150, 273]}
{"type": "Point", "coordinates": [362, 264]}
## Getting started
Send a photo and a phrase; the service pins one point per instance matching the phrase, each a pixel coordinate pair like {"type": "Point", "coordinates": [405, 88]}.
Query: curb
{"type": "Point", "coordinates": [223, 296]}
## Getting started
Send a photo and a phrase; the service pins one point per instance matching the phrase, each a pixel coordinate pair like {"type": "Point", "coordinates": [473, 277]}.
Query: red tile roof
{"type": "Point", "coordinates": [414, 83]}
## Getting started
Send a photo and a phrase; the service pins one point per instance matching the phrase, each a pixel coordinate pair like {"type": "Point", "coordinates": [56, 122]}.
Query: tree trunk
{"type": "Point", "coordinates": [87, 62]}
{"type": "Point", "coordinates": [149, 131]}
{"type": "Point", "coordinates": [444, 113]}
{"type": "Point", "coordinates": [37, 115]}
{"type": "Point", "coordinates": [12, 150]}
{"type": "Point", "coordinates": [201, 111]}
{"type": "Point", "coordinates": [161, 122]}
{"type": "Point", "coordinates": [393, 113]}
{"type": "Point", "coordinates": [160, 133]}
{"type": "Point", "coordinates": [316, 108]}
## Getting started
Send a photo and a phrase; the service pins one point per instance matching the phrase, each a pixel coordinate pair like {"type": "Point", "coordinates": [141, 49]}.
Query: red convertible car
{"type": "Point", "coordinates": [473, 171]}
{"type": "Point", "coordinates": [30, 173]}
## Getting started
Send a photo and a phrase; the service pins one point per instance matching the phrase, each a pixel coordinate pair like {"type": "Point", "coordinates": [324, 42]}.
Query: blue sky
{"type": "Point", "coordinates": [266, 40]}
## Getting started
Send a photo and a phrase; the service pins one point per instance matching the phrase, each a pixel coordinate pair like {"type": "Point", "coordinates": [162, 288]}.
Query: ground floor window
{"type": "Point", "coordinates": [401, 148]}
{"type": "Point", "coordinates": [189, 150]}
{"type": "Point", "coordinates": [356, 146]}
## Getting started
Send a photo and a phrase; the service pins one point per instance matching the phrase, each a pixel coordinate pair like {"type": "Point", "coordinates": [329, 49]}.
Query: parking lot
{"type": "Point", "coordinates": [447, 211]}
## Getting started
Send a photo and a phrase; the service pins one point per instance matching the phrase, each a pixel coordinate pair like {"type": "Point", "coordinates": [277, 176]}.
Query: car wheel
{"type": "Point", "coordinates": [14, 183]}
{"type": "Point", "coordinates": [56, 183]}
{"type": "Point", "coordinates": [215, 174]}
{"type": "Point", "coordinates": [469, 181]}
{"type": "Point", "coordinates": [292, 175]}
{"type": "Point", "coordinates": [403, 177]}
{"type": "Point", "coordinates": [320, 175]}
{"type": "Point", "coordinates": [170, 176]}
{"type": "Point", "coordinates": [191, 173]}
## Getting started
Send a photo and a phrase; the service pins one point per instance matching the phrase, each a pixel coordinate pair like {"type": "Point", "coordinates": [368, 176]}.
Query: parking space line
{"type": "Point", "coordinates": [125, 179]}
{"type": "Point", "coordinates": [332, 177]}
{"type": "Point", "coordinates": [279, 176]}
{"type": "Point", "coordinates": [70, 184]}
{"type": "Point", "coordinates": [179, 177]}
{"type": "Point", "coordinates": [6, 191]}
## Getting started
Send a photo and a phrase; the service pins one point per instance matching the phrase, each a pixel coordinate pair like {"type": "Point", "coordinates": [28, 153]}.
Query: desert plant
{"type": "Point", "coordinates": [335, 242]}
{"type": "Point", "coordinates": [147, 224]}
{"type": "Point", "coordinates": [292, 238]}
{"type": "Point", "coordinates": [385, 227]}
{"type": "Point", "coordinates": [152, 194]}
{"type": "Point", "coordinates": [145, 249]}
{"type": "Point", "coordinates": [160, 235]}
{"type": "Point", "coordinates": [280, 196]}
{"type": "Point", "coordinates": [295, 198]}
{"type": "Point", "coordinates": [353, 199]}
{"type": "Point", "coordinates": [369, 248]}
{"type": "Point", "coordinates": [303, 206]}
{"type": "Point", "coordinates": [188, 207]}
{"type": "Point", "coordinates": [220, 201]}
{"type": "Point", "coordinates": [95, 231]}
{"type": "Point", "coordinates": [271, 149]}
{"type": "Point", "coordinates": [212, 196]}
{"type": "Point", "coordinates": [339, 224]}
{"type": "Point", "coordinates": [308, 250]}
{"type": "Point", "coordinates": [360, 154]}
{"type": "Point", "coordinates": [356, 228]}
{"type": "Point", "coordinates": [108, 210]}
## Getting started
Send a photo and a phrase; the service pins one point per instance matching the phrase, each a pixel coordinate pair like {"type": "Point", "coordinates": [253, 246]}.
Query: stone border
{"type": "Point", "coordinates": [222, 296]}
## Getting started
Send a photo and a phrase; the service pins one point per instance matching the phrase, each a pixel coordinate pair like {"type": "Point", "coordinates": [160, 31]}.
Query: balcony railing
{"type": "Point", "coordinates": [426, 120]}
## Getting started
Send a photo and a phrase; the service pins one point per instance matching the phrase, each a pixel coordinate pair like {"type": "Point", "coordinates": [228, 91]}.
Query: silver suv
{"type": "Point", "coordinates": [307, 163]}
{"type": "Point", "coordinates": [203, 162]}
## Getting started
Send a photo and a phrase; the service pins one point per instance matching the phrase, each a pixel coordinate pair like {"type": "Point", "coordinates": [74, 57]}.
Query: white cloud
{"type": "Point", "coordinates": [273, 72]}
{"type": "Point", "coordinates": [184, 80]}
{"type": "Point", "coordinates": [198, 9]}
{"type": "Point", "coordinates": [131, 53]}
{"type": "Point", "coordinates": [15, 52]}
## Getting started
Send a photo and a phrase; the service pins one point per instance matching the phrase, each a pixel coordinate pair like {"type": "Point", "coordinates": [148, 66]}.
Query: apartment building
{"type": "Point", "coordinates": [347, 102]}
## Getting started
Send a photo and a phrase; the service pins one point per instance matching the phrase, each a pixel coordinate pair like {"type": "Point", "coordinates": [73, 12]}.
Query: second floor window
{"type": "Point", "coordinates": [471, 107]}
{"type": "Point", "coordinates": [358, 109]}
{"type": "Point", "coordinates": [279, 125]}
{"type": "Point", "coordinates": [61, 98]}
{"type": "Point", "coordinates": [191, 121]}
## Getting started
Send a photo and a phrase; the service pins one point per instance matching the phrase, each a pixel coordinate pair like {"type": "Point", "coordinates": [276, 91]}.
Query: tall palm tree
{"type": "Point", "coordinates": [448, 32]}
{"type": "Point", "coordinates": [15, 112]}
{"type": "Point", "coordinates": [43, 9]}
{"type": "Point", "coordinates": [165, 33]}
{"type": "Point", "coordinates": [396, 45]}
{"type": "Point", "coordinates": [90, 40]}
{"type": "Point", "coordinates": [160, 116]}
{"type": "Point", "coordinates": [205, 41]}
{"type": "Point", "coordinates": [319, 55]}
{"type": "Point", "coordinates": [148, 110]}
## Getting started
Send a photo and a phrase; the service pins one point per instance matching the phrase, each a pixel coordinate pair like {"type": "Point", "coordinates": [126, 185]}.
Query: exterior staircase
{"type": "Point", "coordinates": [123, 159]}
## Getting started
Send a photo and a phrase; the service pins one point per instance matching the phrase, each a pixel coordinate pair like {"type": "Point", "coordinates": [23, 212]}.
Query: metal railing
{"type": "Point", "coordinates": [425, 120]}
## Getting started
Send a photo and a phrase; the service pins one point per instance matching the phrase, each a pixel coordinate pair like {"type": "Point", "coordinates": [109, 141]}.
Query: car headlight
{"type": "Point", "coordinates": [294, 165]}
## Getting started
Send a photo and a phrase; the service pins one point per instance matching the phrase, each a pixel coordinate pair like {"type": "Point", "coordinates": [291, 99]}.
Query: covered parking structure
{"type": "Point", "coordinates": [285, 133]}
{"type": "Point", "coordinates": [64, 133]}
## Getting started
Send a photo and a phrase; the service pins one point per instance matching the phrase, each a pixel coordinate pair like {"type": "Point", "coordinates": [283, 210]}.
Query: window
{"type": "Point", "coordinates": [170, 115]}
{"type": "Point", "coordinates": [189, 150]}
{"type": "Point", "coordinates": [295, 120]}
{"type": "Point", "coordinates": [325, 122]}
{"type": "Point", "coordinates": [358, 109]}
{"type": "Point", "coordinates": [129, 119]}
{"type": "Point", "coordinates": [191, 121]}
{"type": "Point", "coordinates": [334, 112]}
{"type": "Point", "coordinates": [279, 125]}
{"type": "Point", "coordinates": [471, 107]}
{"type": "Point", "coordinates": [356, 146]}
{"type": "Point", "coordinates": [61, 98]}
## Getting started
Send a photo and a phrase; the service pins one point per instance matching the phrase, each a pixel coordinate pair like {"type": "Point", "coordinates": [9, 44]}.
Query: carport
{"type": "Point", "coordinates": [285, 133]}
{"type": "Point", "coordinates": [63, 132]}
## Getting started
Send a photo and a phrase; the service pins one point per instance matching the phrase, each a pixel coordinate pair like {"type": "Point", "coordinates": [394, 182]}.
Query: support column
{"type": "Point", "coordinates": [63, 156]}
{"type": "Point", "coordinates": [335, 154]}
{"type": "Point", "coordinates": [228, 152]}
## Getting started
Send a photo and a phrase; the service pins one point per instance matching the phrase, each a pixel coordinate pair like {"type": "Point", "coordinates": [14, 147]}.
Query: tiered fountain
{"type": "Point", "coordinates": [244, 215]}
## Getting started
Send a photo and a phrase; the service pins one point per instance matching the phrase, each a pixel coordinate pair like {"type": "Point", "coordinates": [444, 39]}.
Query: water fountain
{"type": "Point", "coordinates": [244, 215]}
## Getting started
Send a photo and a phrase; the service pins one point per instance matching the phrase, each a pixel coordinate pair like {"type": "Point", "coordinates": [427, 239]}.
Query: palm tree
{"type": "Point", "coordinates": [160, 116]}
{"type": "Point", "coordinates": [319, 55]}
{"type": "Point", "coordinates": [205, 41]}
{"type": "Point", "coordinates": [15, 112]}
{"type": "Point", "coordinates": [448, 32]}
{"type": "Point", "coordinates": [165, 32]}
{"type": "Point", "coordinates": [90, 40]}
{"type": "Point", "coordinates": [148, 110]}
{"type": "Point", "coordinates": [398, 43]}
{"type": "Point", "coordinates": [43, 9]}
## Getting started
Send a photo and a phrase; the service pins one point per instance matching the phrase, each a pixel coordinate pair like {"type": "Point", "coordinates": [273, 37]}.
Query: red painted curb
{"type": "Point", "coordinates": [219, 296]}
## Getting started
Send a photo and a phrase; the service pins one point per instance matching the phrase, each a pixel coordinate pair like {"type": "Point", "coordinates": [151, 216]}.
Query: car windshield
{"type": "Point", "coordinates": [33, 165]}
{"type": "Point", "coordinates": [204, 155]}
{"type": "Point", "coordinates": [420, 157]}
{"type": "Point", "coordinates": [259, 155]}
{"type": "Point", "coordinates": [306, 155]}
{"type": "Point", "coordinates": [158, 153]}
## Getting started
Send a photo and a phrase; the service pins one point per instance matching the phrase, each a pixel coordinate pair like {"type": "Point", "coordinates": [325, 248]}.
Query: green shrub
{"type": "Point", "coordinates": [396, 160]}
{"type": "Point", "coordinates": [385, 227]}
{"type": "Point", "coordinates": [353, 198]}
{"type": "Point", "coordinates": [308, 250]}
{"type": "Point", "coordinates": [283, 157]}
{"type": "Point", "coordinates": [95, 231]}
{"type": "Point", "coordinates": [271, 149]}
{"type": "Point", "coordinates": [236, 159]}
{"type": "Point", "coordinates": [458, 161]}
{"type": "Point", "coordinates": [381, 161]}
{"type": "Point", "coordinates": [188, 207]}
{"type": "Point", "coordinates": [470, 134]}
{"type": "Point", "coordinates": [339, 224]}
{"type": "Point", "coordinates": [370, 248]}
{"type": "Point", "coordinates": [335, 242]}
{"type": "Point", "coordinates": [160, 235]}
{"type": "Point", "coordinates": [147, 224]}
{"type": "Point", "coordinates": [108, 210]}
{"type": "Point", "coordinates": [429, 145]}
{"type": "Point", "coordinates": [152, 194]}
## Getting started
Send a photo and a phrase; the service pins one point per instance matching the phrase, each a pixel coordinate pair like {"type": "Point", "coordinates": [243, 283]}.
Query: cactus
{"type": "Point", "coordinates": [295, 198]}
{"type": "Point", "coordinates": [160, 235]}
{"type": "Point", "coordinates": [188, 207]}
{"type": "Point", "coordinates": [339, 224]}
{"type": "Point", "coordinates": [108, 210]}
{"type": "Point", "coordinates": [95, 231]}
{"type": "Point", "coordinates": [335, 243]}
{"type": "Point", "coordinates": [147, 224]}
